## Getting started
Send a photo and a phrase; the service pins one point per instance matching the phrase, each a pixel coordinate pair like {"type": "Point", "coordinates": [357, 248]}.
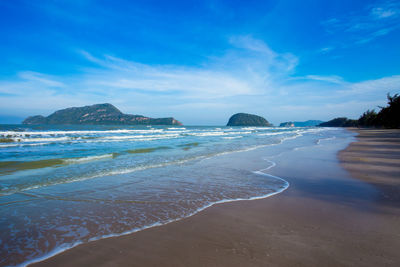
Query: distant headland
{"type": "Point", "coordinates": [387, 117]}
{"type": "Point", "coordinates": [244, 119]}
{"type": "Point", "coordinates": [309, 123]}
{"type": "Point", "coordinates": [98, 114]}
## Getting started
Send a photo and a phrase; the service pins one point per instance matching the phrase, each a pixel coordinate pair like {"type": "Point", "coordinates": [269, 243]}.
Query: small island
{"type": "Point", "coordinates": [309, 123]}
{"type": "Point", "coordinates": [244, 119]}
{"type": "Point", "coordinates": [98, 114]}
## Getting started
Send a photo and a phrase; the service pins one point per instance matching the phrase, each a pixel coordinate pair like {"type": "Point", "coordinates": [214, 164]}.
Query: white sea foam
{"type": "Point", "coordinates": [176, 131]}
{"type": "Point", "coordinates": [274, 133]}
{"type": "Point", "coordinates": [137, 136]}
{"type": "Point", "coordinates": [44, 139]}
{"type": "Point", "coordinates": [8, 145]}
{"type": "Point", "coordinates": [65, 247]}
{"type": "Point", "coordinates": [291, 137]}
{"type": "Point", "coordinates": [273, 164]}
{"type": "Point", "coordinates": [241, 132]}
{"type": "Point", "coordinates": [138, 168]}
{"type": "Point", "coordinates": [89, 158]}
{"type": "Point", "coordinates": [208, 133]}
{"type": "Point", "coordinates": [124, 137]}
{"type": "Point", "coordinates": [256, 128]}
{"type": "Point", "coordinates": [232, 137]}
{"type": "Point", "coordinates": [85, 132]}
{"type": "Point", "coordinates": [23, 144]}
{"type": "Point", "coordinates": [103, 173]}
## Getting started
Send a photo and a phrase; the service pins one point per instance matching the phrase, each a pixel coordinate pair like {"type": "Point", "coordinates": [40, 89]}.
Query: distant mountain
{"type": "Point", "coordinates": [287, 124]}
{"type": "Point", "coordinates": [308, 123]}
{"type": "Point", "coordinates": [244, 119]}
{"type": "Point", "coordinates": [340, 122]}
{"type": "Point", "coordinates": [100, 114]}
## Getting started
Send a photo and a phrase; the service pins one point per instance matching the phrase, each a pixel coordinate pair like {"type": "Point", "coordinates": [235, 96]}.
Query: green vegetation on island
{"type": "Point", "coordinates": [340, 122]}
{"type": "Point", "coordinates": [99, 114]}
{"type": "Point", "coordinates": [387, 117]}
{"type": "Point", "coordinates": [244, 119]}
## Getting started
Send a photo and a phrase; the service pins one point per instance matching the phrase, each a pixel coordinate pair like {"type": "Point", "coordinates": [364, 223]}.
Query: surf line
{"type": "Point", "coordinates": [67, 246]}
{"type": "Point", "coordinates": [262, 172]}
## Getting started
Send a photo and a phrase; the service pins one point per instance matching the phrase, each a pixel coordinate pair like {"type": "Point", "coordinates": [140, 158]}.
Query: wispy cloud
{"type": "Point", "coordinates": [325, 50]}
{"type": "Point", "coordinates": [39, 78]}
{"type": "Point", "coordinates": [249, 77]}
{"type": "Point", "coordinates": [364, 26]}
{"type": "Point", "coordinates": [329, 79]}
{"type": "Point", "coordinates": [388, 9]}
{"type": "Point", "coordinates": [383, 85]}
{"type": "Point", "coordinates": [27, 82]}
{"type": "Point", "coordinates": [249, 68]}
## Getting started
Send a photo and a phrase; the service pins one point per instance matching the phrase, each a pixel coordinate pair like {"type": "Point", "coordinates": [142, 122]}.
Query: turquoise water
{"type": "Point", "coordinates": [64, 185]}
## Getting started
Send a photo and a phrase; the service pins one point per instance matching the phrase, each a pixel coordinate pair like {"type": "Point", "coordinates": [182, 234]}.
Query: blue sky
{"type": "Point", "coordinates": [199, 61]}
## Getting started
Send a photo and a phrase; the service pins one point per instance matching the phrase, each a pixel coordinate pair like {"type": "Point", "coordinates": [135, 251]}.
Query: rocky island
{"type": "Point", "coordinates": [99, 114]}
{"type": "Point", "coordinates": [244, 119]}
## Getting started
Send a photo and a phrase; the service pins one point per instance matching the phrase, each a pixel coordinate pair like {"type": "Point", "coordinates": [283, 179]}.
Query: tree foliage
{"type": "Point", "coordinates": [340, 122]}
{"type": "Point", "coordinates": [368, 118]}
{"type": "Point", "coordinates": [387, 117]}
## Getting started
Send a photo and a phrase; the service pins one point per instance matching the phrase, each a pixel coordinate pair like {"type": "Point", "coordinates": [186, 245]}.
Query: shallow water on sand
{"type": "Point", "coordinates": [61, 186]}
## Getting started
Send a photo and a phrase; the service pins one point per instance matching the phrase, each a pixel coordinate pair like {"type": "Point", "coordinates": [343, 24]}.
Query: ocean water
{"type": "Point", "coordinates": [64, 185]}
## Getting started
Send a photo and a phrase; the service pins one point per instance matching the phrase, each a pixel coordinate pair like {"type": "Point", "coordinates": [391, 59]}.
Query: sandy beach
{"type": "Point", "coordinates": [342, 212]}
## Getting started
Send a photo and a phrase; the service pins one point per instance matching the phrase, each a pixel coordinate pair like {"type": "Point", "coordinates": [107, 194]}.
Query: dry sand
{"type": "Point", "coordinates": [329, 221]}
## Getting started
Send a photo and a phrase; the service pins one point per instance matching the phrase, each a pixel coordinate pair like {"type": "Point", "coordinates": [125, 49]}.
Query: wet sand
{"type": "Point", "coordinates": [325, 218]}
{"type": "Point", "coordinates": [375, 159]}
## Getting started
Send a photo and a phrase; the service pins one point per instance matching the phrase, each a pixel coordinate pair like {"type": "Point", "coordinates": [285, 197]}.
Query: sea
{"type": "Point", "coordinates": [61, 186]}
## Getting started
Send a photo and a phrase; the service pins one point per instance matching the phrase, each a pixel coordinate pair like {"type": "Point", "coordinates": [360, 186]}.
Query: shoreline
{"type": "Point", "coordinates": [375, 154]}
{"type": "Point", "coordinates": [220, 235]}
{"type": "Point", "coordinates": [61, 250]}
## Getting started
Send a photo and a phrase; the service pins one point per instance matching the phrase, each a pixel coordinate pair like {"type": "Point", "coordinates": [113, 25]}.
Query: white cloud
{"type": "Point", "coordinates": [330, 79]}
{"type": "Point", "coordinates": [273, 61]}
{"type": "Point", "coordinates": [385, 10]}
{"type": "Point", "coordinates": [40, 78]}
{"type": "Point", "coordinates": [325, 50]}
{"type": "Point", "coordinates": [27, 82]}
{"type": "Point", "coordinates": [366, 25]}
{"type": "Point", "coordinates": [249, 77]}
{"type": "Point", "coordinates": [249, 68]}
{"type": "Point", "coordinates": [246, 69]}
{"type": "Point", "coordinates": [382, 13]}
{"type": "Point", "coordinates": [384, 85]}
